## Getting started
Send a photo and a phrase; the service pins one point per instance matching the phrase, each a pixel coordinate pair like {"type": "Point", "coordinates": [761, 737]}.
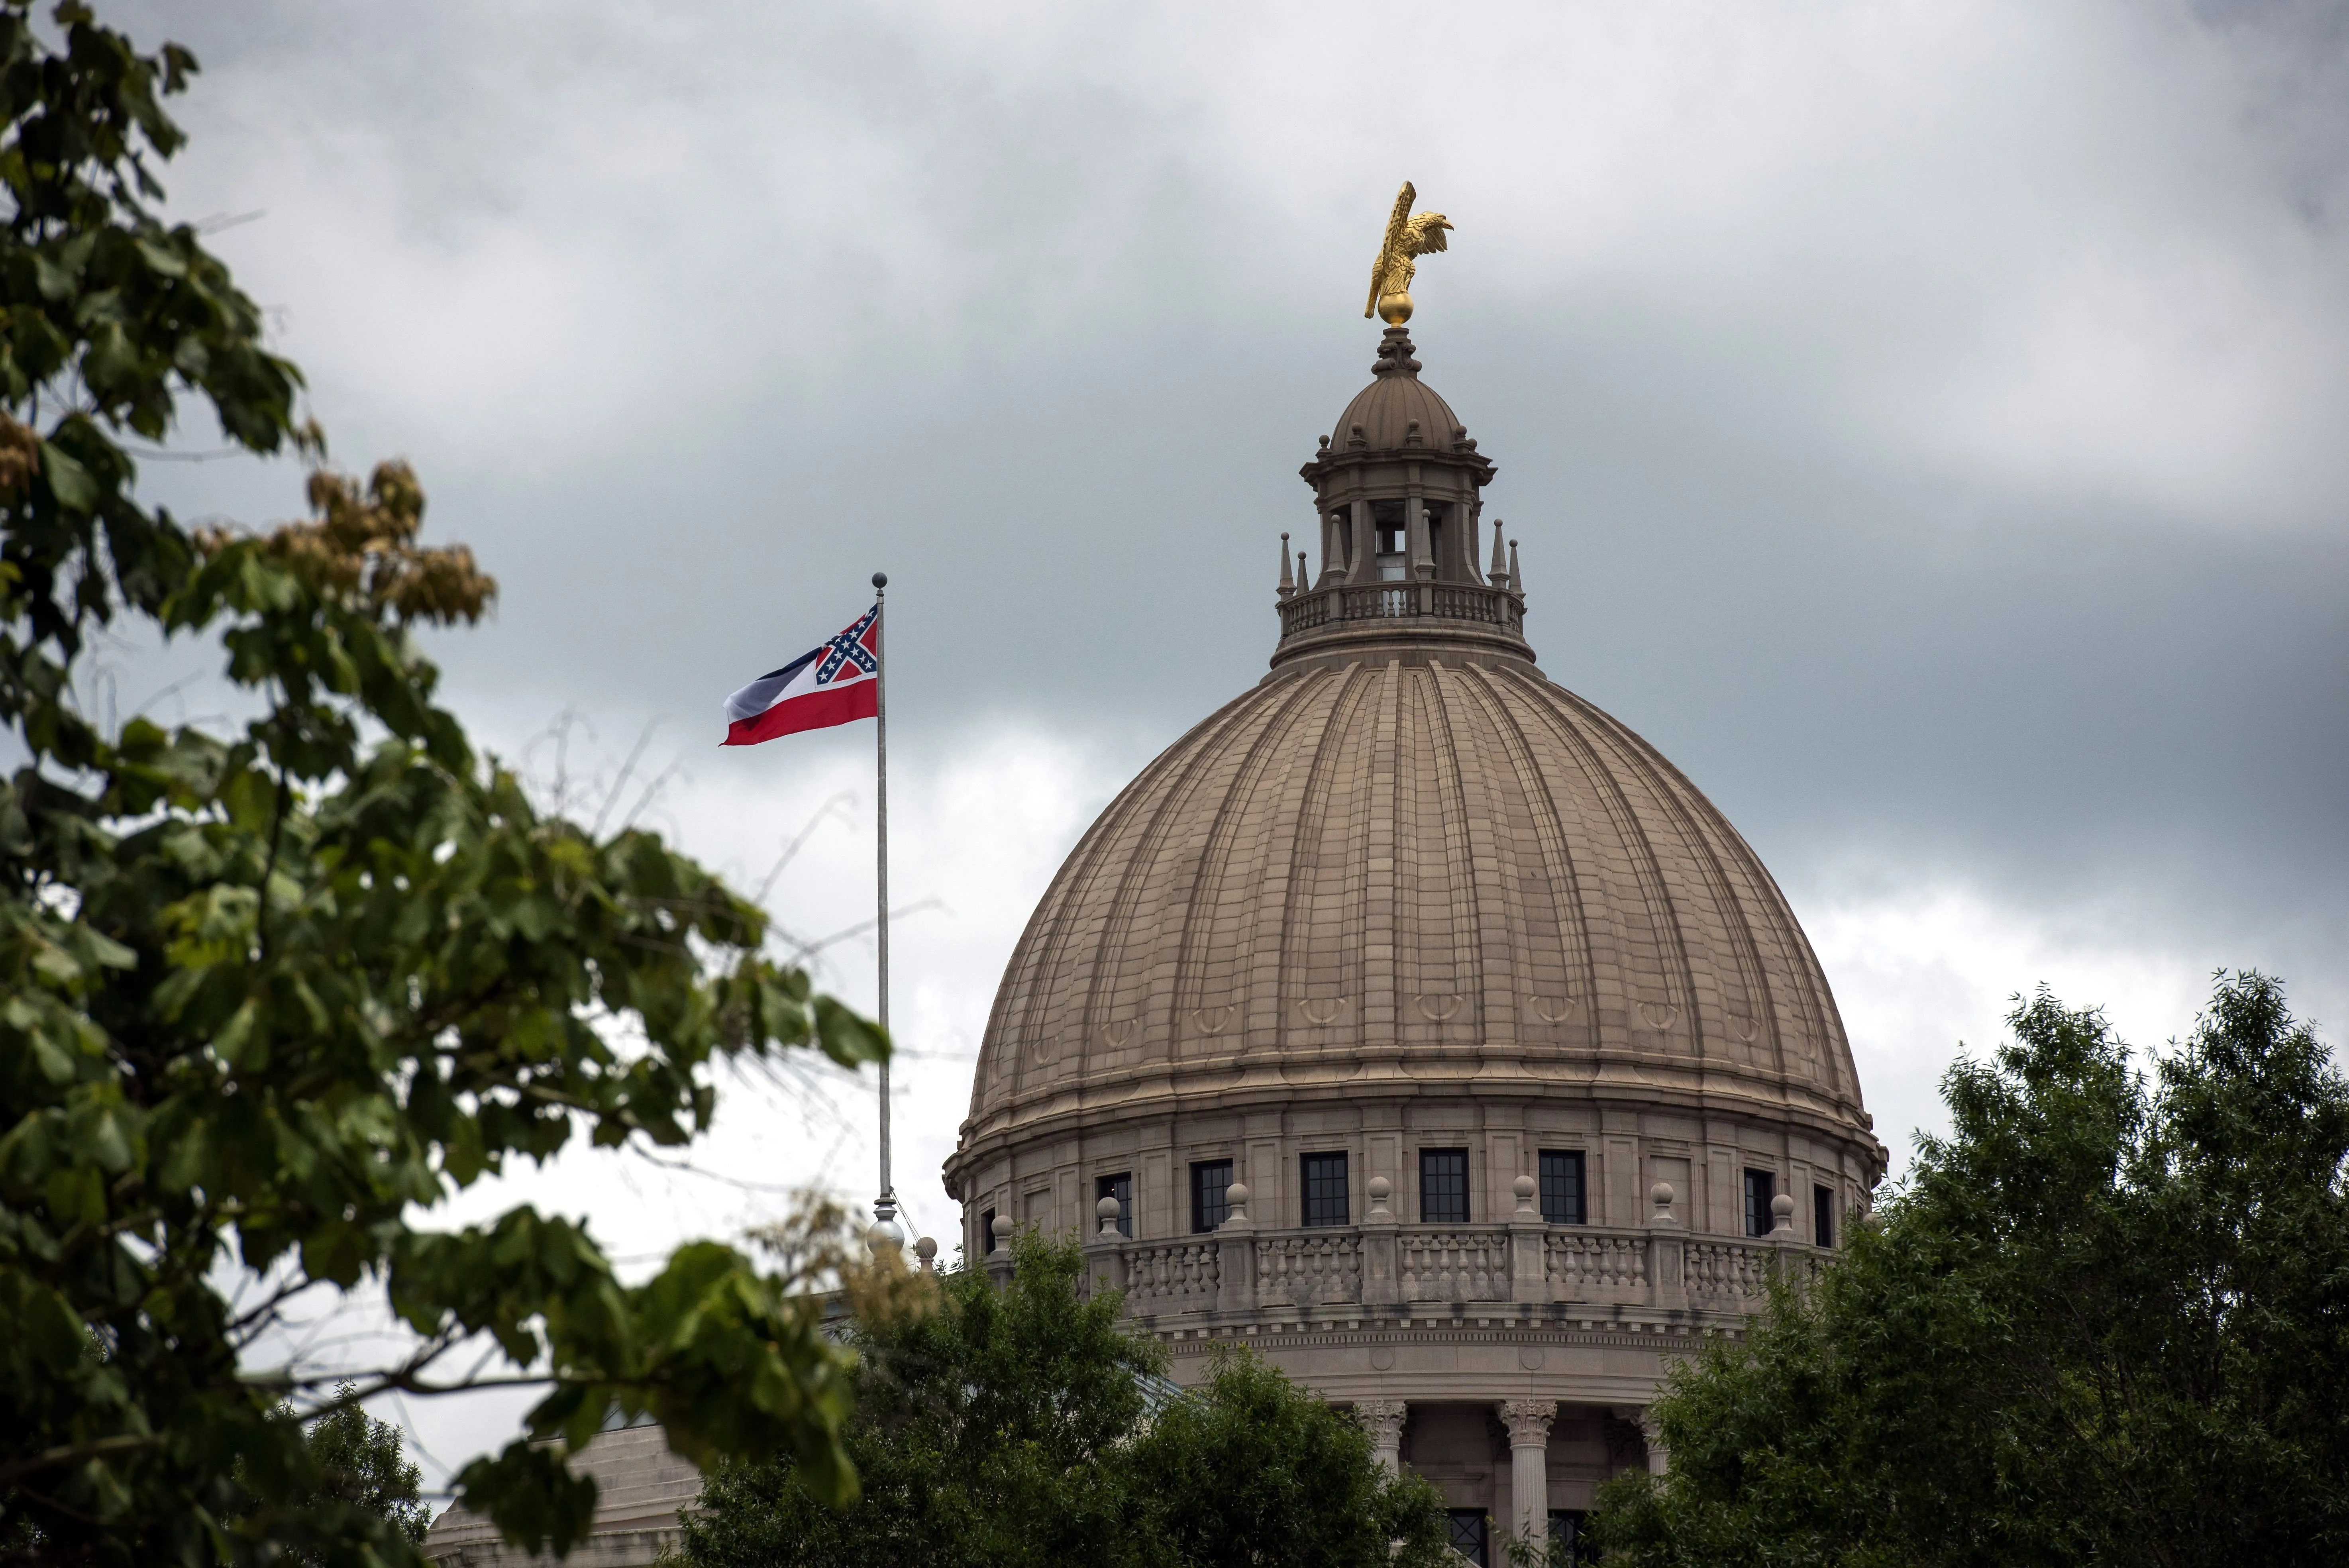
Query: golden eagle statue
{"type": "Point", "coordinates": [1407, 237]}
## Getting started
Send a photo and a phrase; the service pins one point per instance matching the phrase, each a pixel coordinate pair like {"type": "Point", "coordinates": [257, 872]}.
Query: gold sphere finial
{"type": "Point", "coordinates": [1391, 274]}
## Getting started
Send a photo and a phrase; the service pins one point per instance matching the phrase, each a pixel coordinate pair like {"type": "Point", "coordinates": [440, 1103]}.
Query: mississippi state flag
{"type": "Point", "coordinates": [834, 684]}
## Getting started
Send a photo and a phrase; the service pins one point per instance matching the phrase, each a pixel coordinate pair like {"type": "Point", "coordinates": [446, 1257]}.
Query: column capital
{"type": "Point", "coordinates": [1528, 1421]}
{"type": "Point", "coordinates": [1384, 1420]}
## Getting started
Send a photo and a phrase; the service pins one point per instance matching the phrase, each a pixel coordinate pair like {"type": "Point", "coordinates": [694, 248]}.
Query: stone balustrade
{"type": "Point", "coordinates": [1474, 603]}
{"type": "Point", "coordinates": [1244, 1268]}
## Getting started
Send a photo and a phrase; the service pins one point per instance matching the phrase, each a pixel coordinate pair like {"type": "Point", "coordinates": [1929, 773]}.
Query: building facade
{"type": "Point", "coordinates": [1416, 1024]}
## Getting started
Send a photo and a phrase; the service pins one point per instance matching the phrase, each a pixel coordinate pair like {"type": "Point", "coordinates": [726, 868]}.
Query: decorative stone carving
{"type": "Point", "coordinates": [1528, 1421]}
{"type": "Point", "coordinates": [1384, 1420]}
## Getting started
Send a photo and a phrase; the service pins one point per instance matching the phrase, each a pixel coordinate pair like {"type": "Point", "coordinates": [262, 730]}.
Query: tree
{"type": "Point", "coordinates": [2105, 1320]}
{"type": "Point", "coordinates": [1253, 1470]}
{"type": "Point", "coordinates": [361, 1464]}
{"type": "Point", "coordinates": [1015, 1427]}
{"type": "Point", "coordinates": [267, 995]}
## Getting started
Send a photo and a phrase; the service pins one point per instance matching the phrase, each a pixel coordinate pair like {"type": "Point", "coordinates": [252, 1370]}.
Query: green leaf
{"type": "Point", "coordinates": [847, 1036]}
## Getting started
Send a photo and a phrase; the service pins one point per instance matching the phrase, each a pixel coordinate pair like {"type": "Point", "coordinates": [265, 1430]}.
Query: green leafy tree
{"type": "Point", "coordinates": [361, 1463]}
{"type": "Point", "coordinates": [2106, 1319]}
{"type": "Point", "coordinates": [269, 994]}
{"type": "Point", "coordinates": [1012, 1427]}
{"type": "Point", "coordinates": [1253, 1470]}
{"type": "Point", "coordinates": [979, 1436]}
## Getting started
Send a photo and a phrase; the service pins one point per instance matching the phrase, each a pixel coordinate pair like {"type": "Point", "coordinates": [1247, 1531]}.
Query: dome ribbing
{"type": "Point", "coordinates": [1441, 872]}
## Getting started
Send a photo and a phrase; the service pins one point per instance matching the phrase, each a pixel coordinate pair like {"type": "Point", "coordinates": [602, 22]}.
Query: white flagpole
{"type": "Point", "coordinates": [884, 1208]}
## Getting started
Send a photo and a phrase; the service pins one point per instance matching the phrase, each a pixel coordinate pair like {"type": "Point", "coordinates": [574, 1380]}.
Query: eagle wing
{"type": "Point", "coordinates": [1398, 228]}
{"type": "Point", "coordinates": [1424, 234]}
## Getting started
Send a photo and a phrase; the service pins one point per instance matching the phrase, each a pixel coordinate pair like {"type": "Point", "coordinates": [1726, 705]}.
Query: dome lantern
{"type": "Point", "coordinates": [1398, 489]}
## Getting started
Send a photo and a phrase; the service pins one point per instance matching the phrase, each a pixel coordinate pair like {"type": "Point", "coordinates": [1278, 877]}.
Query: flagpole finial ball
{"type": "Point", "coordinates": [880, 579]}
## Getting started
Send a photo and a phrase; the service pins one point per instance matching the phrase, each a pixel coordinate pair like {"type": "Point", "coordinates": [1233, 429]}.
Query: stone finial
{"type": "Point", "coordinates": [1304, 578]}
{"type": "Point", "coordinates": [1499, 575]}
{"type": "Point", "coordinates": [1002, 1234]}
{"type": "Point", "coordinates": [1237, 1195]}
{"type": "Point", "coordinates": [927, 1250]}
{"type": "Point", "coordinates": [1661, 1195]}
{"type": "Point", "coordinates": [1108, 1209]}
{"type": "Point", "coordinates": [1395, 351]}
{"type": "Point", "coordinates": [1525, 1187]}
{"type": "Point", "coordinates": [1287, 586]}
{"type": "Point", "coordinates": [1516, 584]}
{"type": "Point", "coordinates": [1781, 1214]}
{"type": "Point", "coordinates": [1378, 1190]}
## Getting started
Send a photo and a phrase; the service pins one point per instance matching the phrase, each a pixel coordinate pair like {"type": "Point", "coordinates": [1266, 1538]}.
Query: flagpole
{"type": "Point", "coordinates": [884, 1208]}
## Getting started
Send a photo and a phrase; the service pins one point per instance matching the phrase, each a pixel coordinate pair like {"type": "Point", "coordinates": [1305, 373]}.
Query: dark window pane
{"type": "Point", "coordinates": [1761, 1186]}
{"type": "Point", "coordinates": [986, 1232]}
{"type": "Point", "coordinates": [1325, 1188]}
{"type": "Point", "coordinates": [1561, 1187]}
{"type": "Point", "coordinates": [1823, 1216]}
{"type": "Point", "coordinates": [1565, 1542]}
{"type": "Point", "coordinates": [1120, 1187]}
{"type": "Point", "coordinates": [1443, 1186]}
{"type": "Point", "coordinates": [1469, 1532]}
{"type": "Point", "coordinates": [1211, 1205]}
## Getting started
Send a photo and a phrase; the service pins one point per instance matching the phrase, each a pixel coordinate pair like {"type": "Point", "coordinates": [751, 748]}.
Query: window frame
{"type": "Point", "coordinates": [1482, 1540]}
{"type": "Point", "coordinates": [1426, 1175]}
{"type": "Point", "coordinates": [1307, 1196]}
{"type": "Point", "coordinates": [1577, 1213]}
{"type": "Point", "coordinates": [1200, 1224]}
{"type": "Point", "coordinates": [1759, 1220]}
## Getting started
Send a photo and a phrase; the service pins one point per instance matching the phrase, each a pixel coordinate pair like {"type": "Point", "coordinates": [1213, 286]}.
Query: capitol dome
{"type": "Point", "coordinates": [1417, 1023]}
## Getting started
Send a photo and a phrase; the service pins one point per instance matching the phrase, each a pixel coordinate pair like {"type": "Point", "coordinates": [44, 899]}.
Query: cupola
{"type": "Point", "coordinates": [1397, 487]}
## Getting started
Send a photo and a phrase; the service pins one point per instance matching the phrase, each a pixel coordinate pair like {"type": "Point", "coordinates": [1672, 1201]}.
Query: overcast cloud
{"type": "Point", "coordinates": [1925, 422]}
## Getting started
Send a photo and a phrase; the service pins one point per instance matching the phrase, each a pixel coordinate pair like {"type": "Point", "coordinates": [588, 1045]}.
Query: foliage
{"type": "Point", "coordinates": [268, 995]}
{"type": "Point", "coordinates": [361, 1465]}
{"type": "Point", "coordinates": [2108, 1319]}
{"type": "Point", "coordinates": [1010, 1427]}
{"type": "Point", "coordinates": [360, 1462]}
{"type": "Point", "coordinates": [1253, 1470]}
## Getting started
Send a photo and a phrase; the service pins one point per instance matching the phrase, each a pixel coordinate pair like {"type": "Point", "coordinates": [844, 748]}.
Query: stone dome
{"type": "Point", "coordinates": [1416, 1023]}
{"type": "Point", "coordinates": [1439, 872]}
{"type": "Point", "coordinates": [1398, 411]}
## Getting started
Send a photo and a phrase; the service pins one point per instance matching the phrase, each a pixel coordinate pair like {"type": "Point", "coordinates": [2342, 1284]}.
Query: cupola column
{"type": "Point", "coordinates": [1422, 555]}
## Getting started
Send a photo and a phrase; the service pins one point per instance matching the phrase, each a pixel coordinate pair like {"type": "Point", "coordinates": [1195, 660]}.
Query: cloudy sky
{"type": "Point", "coordinates": [1927, 423]}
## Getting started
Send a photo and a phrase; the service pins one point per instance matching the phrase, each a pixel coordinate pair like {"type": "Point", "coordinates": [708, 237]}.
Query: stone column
{"type": "Point", "coordinates": [1236, 1255]}
{"type": "Point", "coordinates": [1105, 1252]}
{"type": "Point", "coordinates": [1644, 1417]}
{"type": "Point", "coordinates": [1667, 1254]}
{"type": "Point", "coordinates": [1528, 1421]}
{"type": "Point", "coordinates": [1528, 1265]}
{"type": "Point", "coordinates": [1381, 1284]}
{"type": "Point", "coordinates": [1384, 1418]}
